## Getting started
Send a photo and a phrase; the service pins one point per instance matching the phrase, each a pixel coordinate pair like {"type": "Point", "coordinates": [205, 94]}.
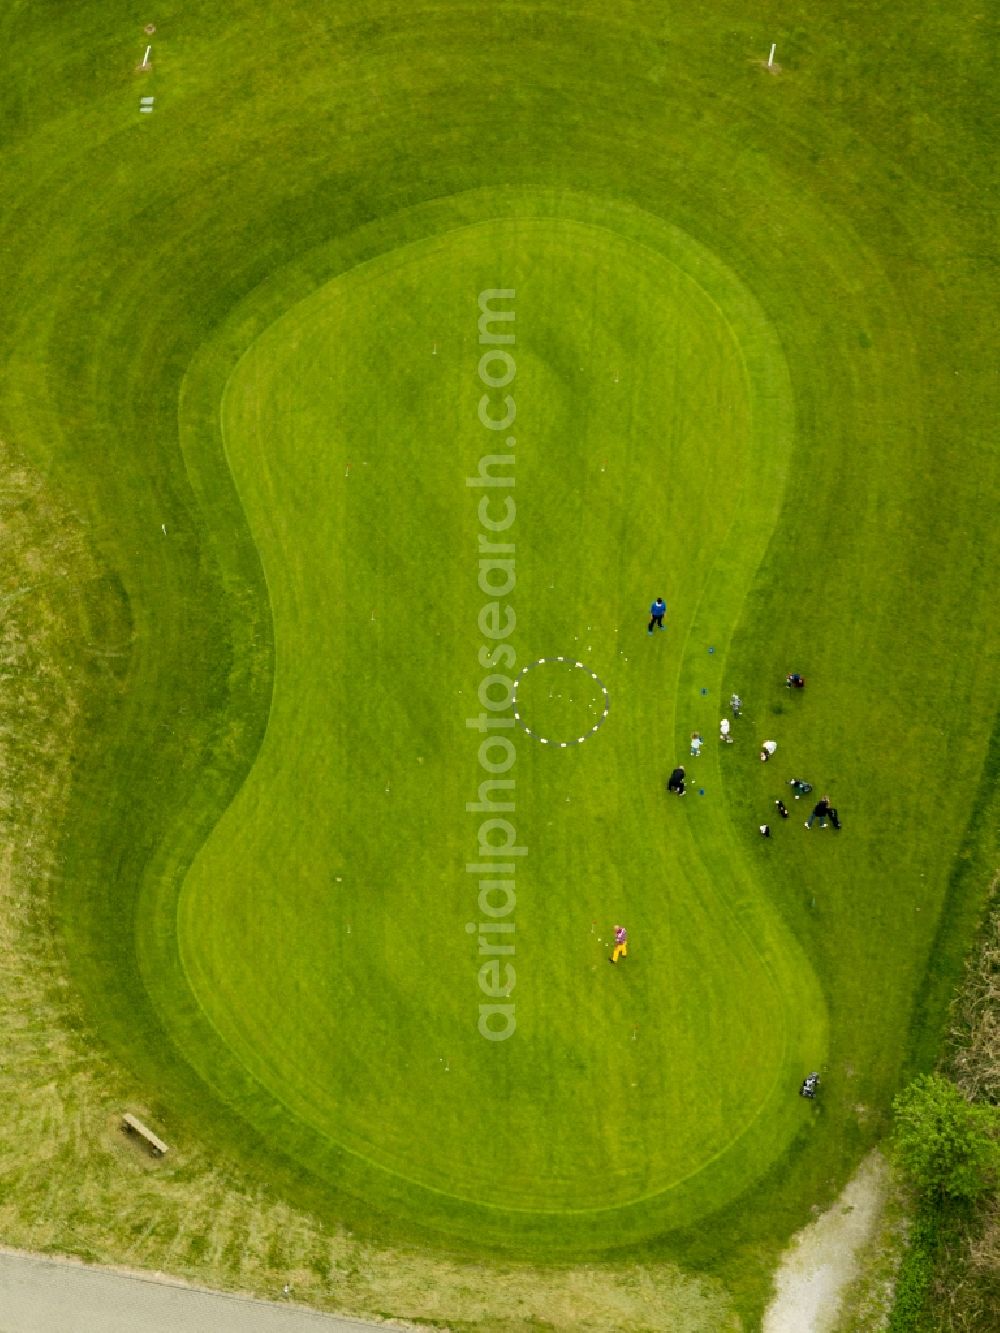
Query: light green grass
{"type": "Point", "coordinates": [811, 484]}
{"type": "Point", "coordinates": [322, 926]}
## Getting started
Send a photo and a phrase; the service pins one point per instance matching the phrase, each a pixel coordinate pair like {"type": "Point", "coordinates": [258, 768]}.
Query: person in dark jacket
{"type": "Point", "coordinates": [821, 811]}
{"type": "Point", "coordinates": [675, 782]}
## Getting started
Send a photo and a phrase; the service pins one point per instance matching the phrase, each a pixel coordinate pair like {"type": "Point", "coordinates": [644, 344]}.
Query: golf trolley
{"type": "Point", "coordinates": [809, 1085]}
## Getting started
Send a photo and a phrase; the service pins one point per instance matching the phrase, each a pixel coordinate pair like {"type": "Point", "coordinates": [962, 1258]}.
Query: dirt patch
{"type": "Point", "coordinates": [824, 1258]}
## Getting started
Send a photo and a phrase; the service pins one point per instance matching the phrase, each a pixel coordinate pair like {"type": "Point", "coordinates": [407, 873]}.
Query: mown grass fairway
{"type": "Point", "coordinates": [322, 927]}
{"type": "Point", "coordinates": [242, 350]}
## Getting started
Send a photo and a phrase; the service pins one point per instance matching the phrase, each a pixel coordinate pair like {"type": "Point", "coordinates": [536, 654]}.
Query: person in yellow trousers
{"type": "Point", "coordinates": [621, 944]}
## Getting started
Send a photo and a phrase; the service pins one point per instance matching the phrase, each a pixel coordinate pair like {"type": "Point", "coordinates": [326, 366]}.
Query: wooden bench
{"type": "Point", "coordinates": [132, 1125]}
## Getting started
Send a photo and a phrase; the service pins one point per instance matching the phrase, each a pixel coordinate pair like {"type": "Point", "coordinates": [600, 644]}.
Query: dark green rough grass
{"type": "Point", "coordinates": [851, 194]}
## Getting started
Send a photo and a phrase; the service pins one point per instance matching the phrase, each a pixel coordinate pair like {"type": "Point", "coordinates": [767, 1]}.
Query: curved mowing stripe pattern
{"type": "Point", "coordinates": [292, 909]}
{"type": "Point", "coordinates": [241, 343]}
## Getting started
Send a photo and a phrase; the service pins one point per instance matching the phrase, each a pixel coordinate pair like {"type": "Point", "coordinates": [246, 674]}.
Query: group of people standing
{"type": "Point", "coordinates": [823, 811]}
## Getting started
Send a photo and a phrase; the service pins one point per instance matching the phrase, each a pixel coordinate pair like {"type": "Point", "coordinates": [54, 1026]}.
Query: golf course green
{"type": "Point", "coordinates": [322, 926]}
{"type": "Point", "coordinates": [397, 358]}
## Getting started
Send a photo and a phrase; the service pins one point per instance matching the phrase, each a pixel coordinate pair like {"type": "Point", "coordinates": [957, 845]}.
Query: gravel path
{"type": "Point", "coordinates": [823, 1258]}
{"type": "Point", "coordinates": [55, 1296]}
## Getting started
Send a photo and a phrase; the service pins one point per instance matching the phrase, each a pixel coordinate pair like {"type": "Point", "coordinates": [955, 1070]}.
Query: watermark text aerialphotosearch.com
{"type": "Point", "coordinates": [497, 850]}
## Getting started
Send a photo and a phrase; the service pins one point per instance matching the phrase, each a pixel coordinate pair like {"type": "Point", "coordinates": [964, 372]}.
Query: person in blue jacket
{"type": "Point", "coordinates": [656, 613]}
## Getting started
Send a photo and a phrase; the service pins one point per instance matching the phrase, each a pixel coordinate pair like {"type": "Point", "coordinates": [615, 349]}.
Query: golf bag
{"type": "Point", "coordinates": [736, 704]}
{"type": "Point", "coordinates": [809, 1086]}
{"type": "Point", "coordinates": [782, 809]}
{"type": "Point", "coordinates": [800, 787]}
{"type": "Point", "coordinates": [834, 818]}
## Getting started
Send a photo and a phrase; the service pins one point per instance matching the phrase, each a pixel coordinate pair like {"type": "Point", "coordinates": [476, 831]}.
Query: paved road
{"type": "Point", "coordinates": [54, 1296]}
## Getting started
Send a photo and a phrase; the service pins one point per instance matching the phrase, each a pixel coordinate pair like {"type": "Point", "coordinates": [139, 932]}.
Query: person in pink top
{"type": "Point", "coordinates": [621, 944]}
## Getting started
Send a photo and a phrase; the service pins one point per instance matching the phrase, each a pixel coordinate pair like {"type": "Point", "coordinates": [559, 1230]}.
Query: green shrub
{"type": "Point", "coordinates": [947, 1146]}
